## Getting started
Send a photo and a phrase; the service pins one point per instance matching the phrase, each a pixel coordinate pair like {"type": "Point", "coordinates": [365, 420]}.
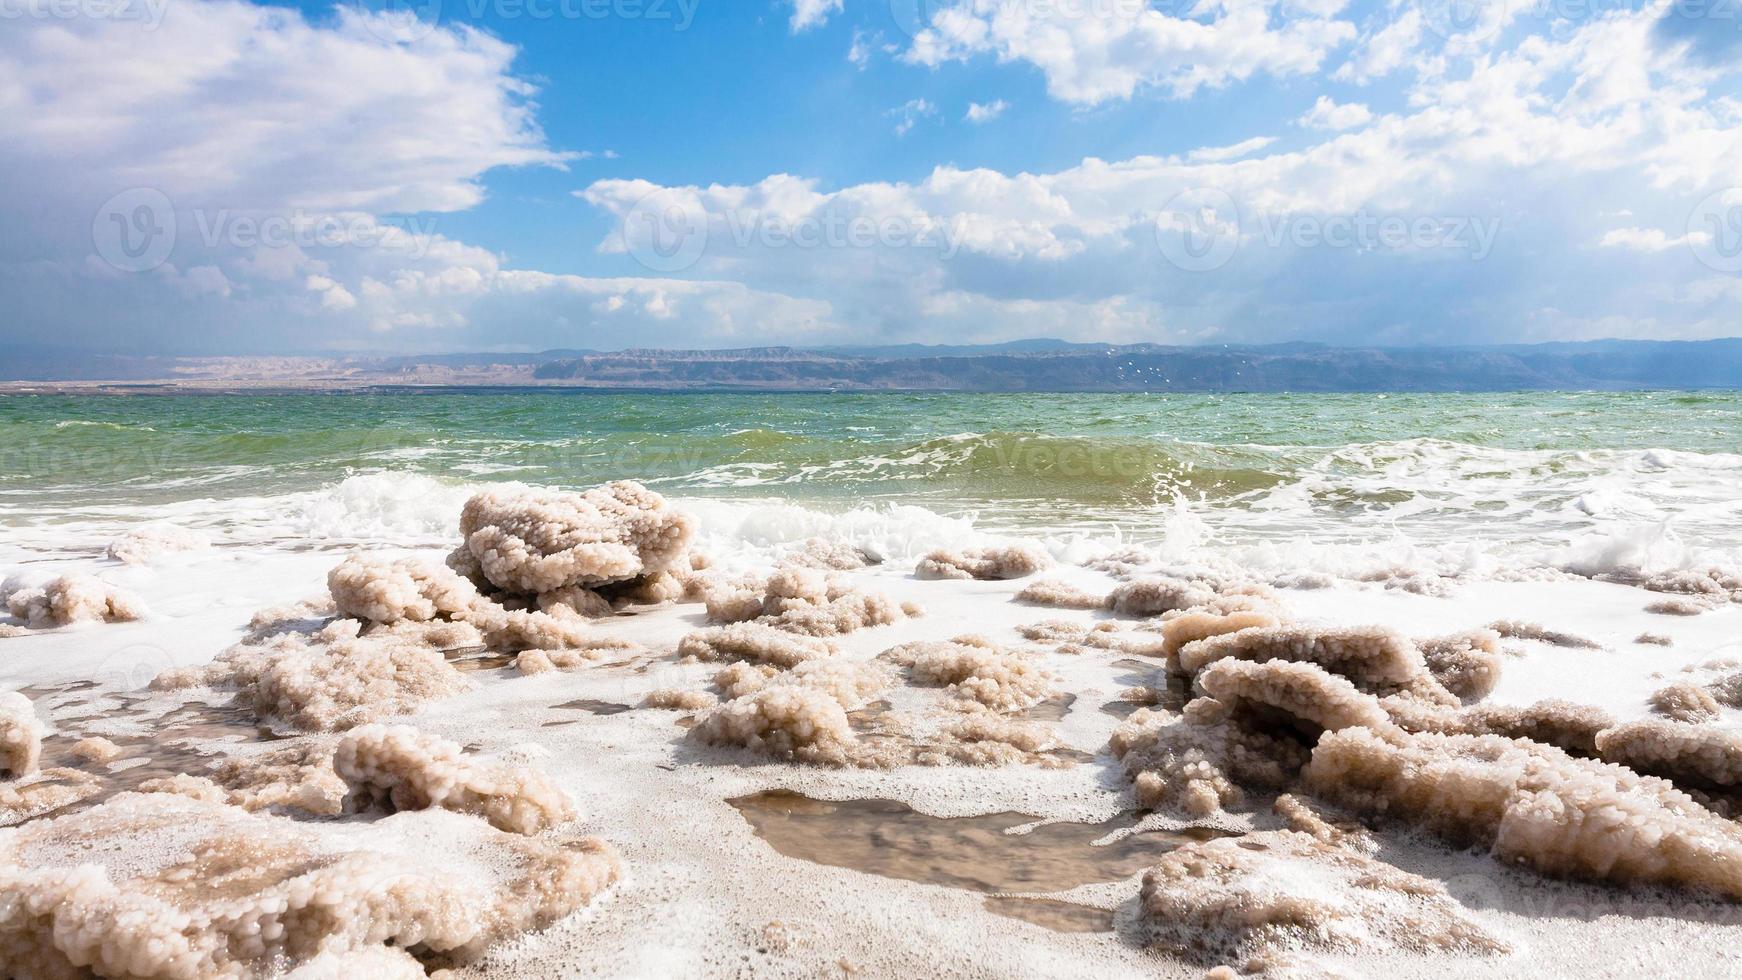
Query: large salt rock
{"type": "Point", "coordinates": [381, 591]}
{"type": "Point", "coordinates": [977, 669]}
{"type": "Point", "coordinates": [1532, 804]}
{"type": "Point", "coordinates": [1704, 757]}
{"type": "Point", "coordinates": [797, 722]}
{"type": "Point", "coordinates": [1282, 891]}
{"type": "Point", "coordinates": [336, 687]}
{"type": "Point", "coordinates": [68, 599]}
{"type": "Point", "coordinates": [990, 563]}
{"type": "Point", "coordinates": [408, 770]}
{"type": "Point", "coordinates": [801, 600]}
{"type": "Point", "coordinates": [167, 887]}
{"type": "Point", "coordinates": [533, 542]}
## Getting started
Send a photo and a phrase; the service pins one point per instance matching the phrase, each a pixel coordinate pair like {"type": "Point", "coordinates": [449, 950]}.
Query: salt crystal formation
{"type": "Point", "coordinates": [977, 669]}
{"type": "Point", "coordinates": [1375, 658]}
{"type": "Point", "coordinates": [312, 685]}
{"type": "Point", "coordinates": [530, 542]}
{"type": "Point", "coordinates": [1283, 891]}
{"type": "Point", "coordinates": [989, 563]}
{"type": "Point", "coordinates": [798, 714]}
{"type": "Point", "coordinates": [1532, 804]}
{"type": "Point", "coordinates": [20, 736]}
{"type": "Point", "coordinates": [1154, 596]}
{"type": "Point", "coordinates": [1059, 595]}
{"type": "Point", "coordinates": [789, 721]}
{"type": "Point", "coordinates": [1685, 701]}
{"type": "Point", "coordinates": [755, 643]}
{"type": "Point", "coordinates": [1702, 757]}
{"type": "Point", "coordinates": [1466, 664]}
{"type": "Point", "coordinates": [68, 599]}
{"type": "Point", "coordinates": [143, 546]}
{"type": "Point", "coordinates": [1368, 720]}
{"type": "Point", "coordinates": [1714, 581]}
{"type": "Point", "coordinates": [189, 889]}
{"type": "Point", "coordinates": [1514, 629]}
{"type": "Point", "coordinates": [299, 777]}
{"type": "Point", "coordinates": [404, 769]}
{"type": "Point", "coordinates": [382, 591]}
{"type": "Point", "coordinates": [801, 600]}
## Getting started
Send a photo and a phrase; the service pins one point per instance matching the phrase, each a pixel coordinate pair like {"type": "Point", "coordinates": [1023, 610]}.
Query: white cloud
{"type": "Point", "coordinates": [1651, 239]}
{"type": "Point", "coordinates": [859, 53]}
{"type": "Point", "coordinates": [223, 109]}
{"type": "Point", "coordinates": [333, 296]}
{"type": "Point", "coordinates": [1094, 53]}
{"type": "Point", "coordinates": [1384, 51]}
{"type": "Point", "coordinates": [1490, 163]}
{"type": "Point", "coordinates": [1220, 154]}
{"type": "Point", "coordinates": [1551, 137]}
{"type": "Point", "coordinates": [985, 112]}
{"type": "Point", "coordinates": [908, 115]}
{"type": "Point", "coordinates": [807, 14]}
{"type": "Point", "coordinates": [274, 174]}
{"type": "Point", "coordinates": [1326, 113]}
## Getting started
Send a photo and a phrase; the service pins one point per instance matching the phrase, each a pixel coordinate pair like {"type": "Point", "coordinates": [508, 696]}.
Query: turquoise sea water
{"type": "Point", "coordinates": [1433, 467]}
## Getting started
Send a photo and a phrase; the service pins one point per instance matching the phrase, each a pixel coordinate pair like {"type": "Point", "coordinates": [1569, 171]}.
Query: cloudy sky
{"type": "Point", "coordinates": [218, 176]}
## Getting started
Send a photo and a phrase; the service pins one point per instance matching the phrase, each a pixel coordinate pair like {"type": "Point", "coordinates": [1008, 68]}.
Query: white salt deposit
{"type": "Point", "coordinates": [1391, 753]}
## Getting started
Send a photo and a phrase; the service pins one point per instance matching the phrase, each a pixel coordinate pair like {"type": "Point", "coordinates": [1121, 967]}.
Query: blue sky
{"type": "Point", "coordinates": [528, 174]}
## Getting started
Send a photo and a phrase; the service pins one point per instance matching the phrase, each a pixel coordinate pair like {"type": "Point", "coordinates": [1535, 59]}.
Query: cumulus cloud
{"type": "Point", "coordinates": [807, 14]}
{"type": "Point", "coordinates": [1383, 51]}
{"type": "Point", "coordinates": [1378, 229]}
{"type": "Point", "coordinates": [1545, 140]}
{"type": "Point", "coordinates": [979, 112]}
{"type": "Point", "coordinates": [1094, 53]}
{"type": "Point", "coordinates": [1327, 113]}
{"type": "Point", "coordinates": [183, 114]}
{"type": "Point", "coordinates": [253, 188]}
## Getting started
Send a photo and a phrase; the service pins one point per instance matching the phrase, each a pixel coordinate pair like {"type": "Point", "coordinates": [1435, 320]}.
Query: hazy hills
{"type": "Point", "coordinates": [1035, 365]}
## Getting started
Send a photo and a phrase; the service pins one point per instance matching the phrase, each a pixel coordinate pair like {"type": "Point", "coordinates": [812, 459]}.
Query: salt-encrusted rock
{"type": "Point", "coordinates": [532, 542]}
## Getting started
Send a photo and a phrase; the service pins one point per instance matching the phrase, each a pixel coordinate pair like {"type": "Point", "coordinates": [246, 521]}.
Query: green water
{"type": "Point", "coordinates": [1440, 461]}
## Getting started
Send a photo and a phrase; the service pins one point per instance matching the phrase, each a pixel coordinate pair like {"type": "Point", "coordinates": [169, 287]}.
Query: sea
{"type": "Point", "coordinates": [1589, 482]}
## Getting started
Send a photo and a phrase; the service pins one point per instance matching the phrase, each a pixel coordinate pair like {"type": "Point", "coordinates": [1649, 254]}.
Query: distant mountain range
{"type": "Point", "coordinates": [1030, 365]}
